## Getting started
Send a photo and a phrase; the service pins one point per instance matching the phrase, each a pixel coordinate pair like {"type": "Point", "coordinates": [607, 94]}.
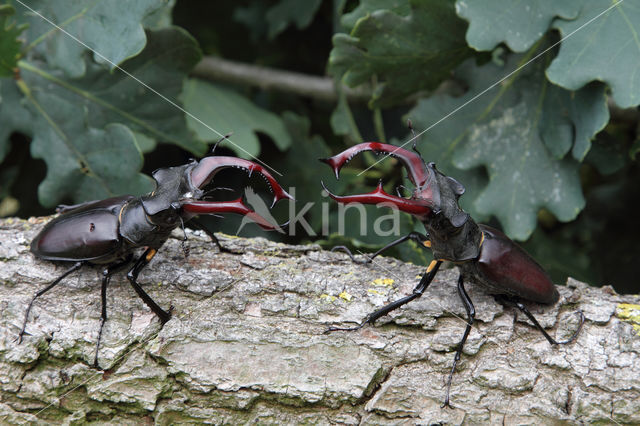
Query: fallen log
{"type": "Point", "coordinates": [246, 343]}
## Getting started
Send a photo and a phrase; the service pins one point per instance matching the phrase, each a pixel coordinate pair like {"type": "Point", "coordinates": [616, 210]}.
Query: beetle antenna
{"type": "Point", "coordinates": [218, 188]}
{"type": "Point", "coordinates": [415, 139]}
{"type": "Point", "coordinates": [398, 188]}
{"type": "Point", "coordinates": [185, 247]}
{"type": "Point", "coordinates": [227, 136]}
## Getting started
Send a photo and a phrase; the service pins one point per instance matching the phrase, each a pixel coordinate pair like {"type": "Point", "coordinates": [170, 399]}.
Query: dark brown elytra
{"type": "Point", "coordinates": [483, 254]}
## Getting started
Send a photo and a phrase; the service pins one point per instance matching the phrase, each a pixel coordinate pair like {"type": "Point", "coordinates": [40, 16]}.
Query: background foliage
{"type": "Point", "coordinates": [542, 131]}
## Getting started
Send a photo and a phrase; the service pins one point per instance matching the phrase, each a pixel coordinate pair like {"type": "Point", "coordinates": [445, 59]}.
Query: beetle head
{"type": "Point", "coordinates": [162, 206]}
{"type": "Point", "coordinates": [179, 192]}
{"type": "Point", "coordinates": [203, 173]}
{"type": "Point", "coordinates": [433, 193]}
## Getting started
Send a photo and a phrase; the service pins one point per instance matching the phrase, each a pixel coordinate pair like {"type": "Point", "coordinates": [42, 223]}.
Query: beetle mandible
{"type": "Point", "coordinates": [108, 232]}
{"type": "Point", "coordinates": [483, 254]}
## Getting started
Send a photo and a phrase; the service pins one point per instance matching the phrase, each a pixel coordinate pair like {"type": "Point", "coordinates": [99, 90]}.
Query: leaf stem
{"type": "Point", "coordinates": [379, 125]}
{"type": "Point", "coordinates": [42, 37]}
{"type": "Point", "coordinates": [354, 131]}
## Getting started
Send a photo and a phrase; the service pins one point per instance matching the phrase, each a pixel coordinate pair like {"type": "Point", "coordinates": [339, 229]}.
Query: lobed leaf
{"type": "Point", "coordinates": [229, 112]}
{"type": "Point", "coordinates": [80, 127]}
{"type": "Point", "coordinates": [289, 12]}
{"type": "Point", "coordinates": [14, 117]}
{"type": "Point", "coordinates": [308, 148]}
{"type": "Point", "coordinates": [604, 48]}
{"type": "Point", "coordinates": [366, 7]}
{"type": "Point", "coordinates": [509, 132]}
{"type": "Point", "coordinates": [109, 27]}
{"type": "Point", "coordinates": [118, 98]}
{"type": "Point", "coordinates": [406, 53]}
{"type": "Point", "coordinates": [9, 43]}
{"type": "Point", "coordinates": [83, 162]}
{"type": "Point", "coordinates": [518, 24]}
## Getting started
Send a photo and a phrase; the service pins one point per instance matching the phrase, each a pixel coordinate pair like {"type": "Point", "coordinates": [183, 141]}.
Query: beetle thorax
{"type": "Point", "coordinates": [173, 185]}
{"type": "Point", "coordinates": [453, 233]}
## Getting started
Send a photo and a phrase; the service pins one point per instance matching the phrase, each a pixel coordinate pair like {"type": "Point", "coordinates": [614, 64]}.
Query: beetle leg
{"type": "Point", "coordinates": [199, 225]}
{"type": "Point", "coordinates": [417, 292]}
{"type": "Point", "coordinates": [535, 322]}
{"type": "Point", "coordinates": [132, 276]}
{"type": "Point", "coordinates": [106, 277]}
{"type": "Point", "coordinates": [55, 282]}
{"type": "Point", "coordinates": [422, 240]}
{"type": "Point", "coordinates": [471, 314]}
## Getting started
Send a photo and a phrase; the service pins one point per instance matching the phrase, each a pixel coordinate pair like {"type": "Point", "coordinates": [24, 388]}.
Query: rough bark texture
{"type": "Point", "coordinates": [246, 344]}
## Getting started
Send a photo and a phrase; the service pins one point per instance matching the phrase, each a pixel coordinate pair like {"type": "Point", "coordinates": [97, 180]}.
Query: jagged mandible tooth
{"type": "Point", "coordinates": [411, 161]}
{"type": "Point", "coordinates": [331, 161]}
{"type": "Point", "coordinates": [206, 169]}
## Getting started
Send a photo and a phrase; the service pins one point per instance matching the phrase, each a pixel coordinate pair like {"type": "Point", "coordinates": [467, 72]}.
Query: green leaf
{"type": "Point", "coordinates": [306, 179]}
{"type": "Point", "coordinates": [607, 154]}
{"type": "Point", "coordinates": [571, 119]}
{"type": "Point", "coordinates": [560, 256]}
{"type": "Point", "coordinates": [104, 26]}
{"type": "Point", "coordinates": [342, 121]}
{"type": "Point", "coordinates": [160, 17]}
{"type": "Point", "coordinates": [14, 117]}
{"type": "Point", "coordinates": [9, 43]}
{"type": "Point", "coordinates": [78, 125]}
{"type": "Point", "coordinates": [405, 53]}
{"type": "Point", "coordinates": [83, 163]}
{"type": "Point", "coordinates": [366, 7]}
{"type": "Point", "coordinates": [606, 49]}
{"type": "Point", "coordinates": [634, 150]}
{"type": "Point", "coordinates": [308, 190]}
{"type": "Point", "coordinates": [118, 98]}
{"type": "Point", "coordinates": [145, 143]}
{"type": "Point", "coordinates": [518, 24]}
{"type": "Point", "coordinates": [508, 131]}
{"type": "Point", "coordinates": [227, 111]}
{"type": "Point", "coordinates": [288, 12]}
{"type": "Point", "coordinates": [252, 17]}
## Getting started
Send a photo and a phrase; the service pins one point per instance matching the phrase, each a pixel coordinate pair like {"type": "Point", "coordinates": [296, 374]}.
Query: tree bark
{"type": "Point", "coordinates": [246, 343]}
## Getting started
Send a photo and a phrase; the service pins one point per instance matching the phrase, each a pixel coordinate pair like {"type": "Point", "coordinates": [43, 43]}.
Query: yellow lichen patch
{"type": "Point", "coordinates": [229, 236]}
{"type": "Point", "coordinates": [387, 282]}
{"type": "Point", "coordinates": [630, 313]}
{"type": "Point", "coordinates": [346, 296]}
{"type": "Point", "coordinates": [374, 291]}
{"type": "Point", "coordinates": [328, 298]}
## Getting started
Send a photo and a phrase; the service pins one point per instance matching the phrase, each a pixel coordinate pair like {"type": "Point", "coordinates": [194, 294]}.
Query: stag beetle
{"type": "Point", "coordinates": [483, 254]}
{"type": "Point", "coordinates": [108, 232]}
